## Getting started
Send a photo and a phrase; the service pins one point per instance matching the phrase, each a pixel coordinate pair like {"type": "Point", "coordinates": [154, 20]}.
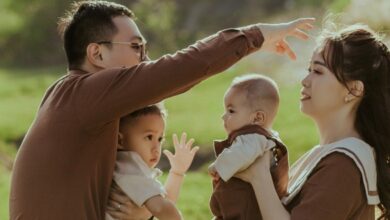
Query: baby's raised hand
{"type": "Point", "coordinates": [184, 154]}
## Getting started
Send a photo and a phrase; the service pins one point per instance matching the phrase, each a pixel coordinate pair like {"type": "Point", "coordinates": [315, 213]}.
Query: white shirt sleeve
{"type": "Point", "coordinates": [242, 153]}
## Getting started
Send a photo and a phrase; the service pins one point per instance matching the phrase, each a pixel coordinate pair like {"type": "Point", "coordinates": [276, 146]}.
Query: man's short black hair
{"type": "Point", "coordinates": [88, 22]}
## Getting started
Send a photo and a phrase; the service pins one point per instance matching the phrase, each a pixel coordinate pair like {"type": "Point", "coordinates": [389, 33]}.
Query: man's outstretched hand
{"type": "Point", "coordinates": [275, 35]}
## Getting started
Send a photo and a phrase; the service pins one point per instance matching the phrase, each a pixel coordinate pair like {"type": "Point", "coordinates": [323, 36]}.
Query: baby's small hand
{"type": "Point", "coordinates": [184, 154]}
{"type": "Point", "coordinates": [213, 172]}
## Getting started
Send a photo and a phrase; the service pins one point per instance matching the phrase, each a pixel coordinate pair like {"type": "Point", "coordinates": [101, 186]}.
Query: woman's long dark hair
{"type": "Point", "coordinates": [357, 53]}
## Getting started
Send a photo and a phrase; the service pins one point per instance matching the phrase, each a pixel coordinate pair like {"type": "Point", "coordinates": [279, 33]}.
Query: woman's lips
{"type": "Point", "coordinates": [304, 96]}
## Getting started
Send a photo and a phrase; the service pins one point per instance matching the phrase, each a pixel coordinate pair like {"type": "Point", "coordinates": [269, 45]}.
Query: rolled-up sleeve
{"type": "Point", "coordinates": [241, 154]}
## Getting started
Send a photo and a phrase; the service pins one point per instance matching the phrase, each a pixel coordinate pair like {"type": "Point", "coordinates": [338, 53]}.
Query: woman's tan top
{"type": "Point", "coordinates": [64, 167]}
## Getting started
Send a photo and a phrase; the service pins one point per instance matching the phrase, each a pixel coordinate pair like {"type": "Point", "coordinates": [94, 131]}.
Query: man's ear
{"type": "Point", "coordinates": [120, 141]}
{"type": "Point", "coordinates": [94, 55]}
{"type": "Point", "coordinates": [259, 118]}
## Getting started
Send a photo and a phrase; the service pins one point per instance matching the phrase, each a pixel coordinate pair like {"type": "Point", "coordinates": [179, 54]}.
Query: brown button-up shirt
{"type": "Point", "coordinates": [64, 167]}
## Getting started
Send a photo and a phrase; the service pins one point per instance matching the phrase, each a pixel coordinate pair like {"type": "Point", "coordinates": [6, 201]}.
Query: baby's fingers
{"type": "Point", "coordinates": [168, 154]}
{"type": "Point", "coordinates": [194, 150]}
{"type": "Point", "coordinates": [175, 140]}
{"type": "Point", "coordinates": [183, 139]}
{"type": "Point", "coordinates": [189, 143]}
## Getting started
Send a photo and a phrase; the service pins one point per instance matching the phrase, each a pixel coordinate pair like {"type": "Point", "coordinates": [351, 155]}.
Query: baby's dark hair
{"type": "Point", "coordinates": [155, 109]}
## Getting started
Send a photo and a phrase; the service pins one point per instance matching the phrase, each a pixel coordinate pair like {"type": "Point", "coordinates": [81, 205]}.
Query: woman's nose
{"type": "Point", "coordinates": [305, 82]}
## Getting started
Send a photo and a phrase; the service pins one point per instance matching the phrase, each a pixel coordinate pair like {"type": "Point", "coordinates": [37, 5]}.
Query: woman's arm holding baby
{"type": "Point", "coordinates": [180, 162]}
{"type": "Point", "coordinates": [259, 175]}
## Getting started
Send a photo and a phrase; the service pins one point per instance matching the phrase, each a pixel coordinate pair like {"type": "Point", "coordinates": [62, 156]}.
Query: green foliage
{"type": "Point", "coordinates": [36, 41]}
{"type": "Point", "coordinates": [156, 20]}
{"type": "Point", "coordinates": [195, 194]}
{"type": "Point", "coordinates": [10, 22]}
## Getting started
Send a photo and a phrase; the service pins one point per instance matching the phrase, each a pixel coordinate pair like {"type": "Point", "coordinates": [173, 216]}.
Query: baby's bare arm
{"type": "Point", "coordinates": [180, 162]}
{"type": "Point", "coordinates": [162, 208]}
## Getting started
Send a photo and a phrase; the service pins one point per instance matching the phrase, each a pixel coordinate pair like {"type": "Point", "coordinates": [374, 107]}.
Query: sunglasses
{"type": "Point", "coordinates": [139, 48]}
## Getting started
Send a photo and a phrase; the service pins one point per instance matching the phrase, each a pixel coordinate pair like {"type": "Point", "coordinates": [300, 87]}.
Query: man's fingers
{"type": "Point", "coordinates": [118, 197]}
{"type": "Point", "coordinates": [279, 49]}
{"type": "Point", "coordinates": [307, 26]}
{"type": "Point", "coordinates": [118, 215]}
{"type": "Point", "coordinates": [302, 22]}
{"type": "Point", "coordinates": [113, 205]}
{"type": "Point", "coordinates": [115, 188]}
{"type": "Point", "coordinates": [300, 34]}
{"type": "Point", "coordinates": [288, 50]}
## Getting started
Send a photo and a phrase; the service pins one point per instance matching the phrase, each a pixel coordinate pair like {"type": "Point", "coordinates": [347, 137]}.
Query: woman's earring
{"type": "Point", "coordinates": [347, 98]}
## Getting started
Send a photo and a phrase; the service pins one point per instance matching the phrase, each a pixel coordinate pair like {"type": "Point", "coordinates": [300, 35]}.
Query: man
{"type": "Point", "coordinates": [64, 166]}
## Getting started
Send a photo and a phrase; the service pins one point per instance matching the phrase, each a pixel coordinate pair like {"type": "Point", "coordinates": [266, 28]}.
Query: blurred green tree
{"type": "Point", "coordinates": [36, 42]}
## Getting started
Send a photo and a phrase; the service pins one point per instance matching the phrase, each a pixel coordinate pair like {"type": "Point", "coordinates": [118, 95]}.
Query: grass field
{"type": "Point", "coordinates": [196, 112]}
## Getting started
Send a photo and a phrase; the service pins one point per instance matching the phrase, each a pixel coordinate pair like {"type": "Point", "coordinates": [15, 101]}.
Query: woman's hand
{"type": "Point", "coordinates": [275, 35]}
{"type": "Point", "coordinates": [259, 176]}
{"type": "Point", "coordinates": [213, 172]}
{"type": "Point", "coordinates": [261, 164]}
{"type": "Point", "coordinates": [184, 154]}
{"type": "Point", "coordinates": [121, 207]}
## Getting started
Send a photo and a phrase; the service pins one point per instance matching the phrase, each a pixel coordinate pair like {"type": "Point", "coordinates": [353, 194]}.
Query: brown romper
{"type": "Point", "coordinates": [235, 199]}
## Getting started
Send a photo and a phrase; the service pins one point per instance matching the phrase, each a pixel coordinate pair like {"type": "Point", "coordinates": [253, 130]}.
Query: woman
{"type": "Point", "coordinates": [347, 94]}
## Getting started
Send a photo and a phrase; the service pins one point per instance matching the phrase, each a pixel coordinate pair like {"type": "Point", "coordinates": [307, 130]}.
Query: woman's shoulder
{"type": "Point", "coordinates": [362, 155]}
{"type": "Point", "coordinates": [334, 190]}
{"type": "Point", "coordinates": [340, 163]}
{"type": "Point", "coordinates": [351, 167]}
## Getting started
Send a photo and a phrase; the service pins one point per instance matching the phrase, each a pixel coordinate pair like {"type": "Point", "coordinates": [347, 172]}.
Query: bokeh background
{"type": "Point", "coordinates": [31, 58]}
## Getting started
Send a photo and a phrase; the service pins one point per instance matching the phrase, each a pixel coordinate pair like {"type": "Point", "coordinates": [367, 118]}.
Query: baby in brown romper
{"type": "Point", "coordinates": [251, 104]}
